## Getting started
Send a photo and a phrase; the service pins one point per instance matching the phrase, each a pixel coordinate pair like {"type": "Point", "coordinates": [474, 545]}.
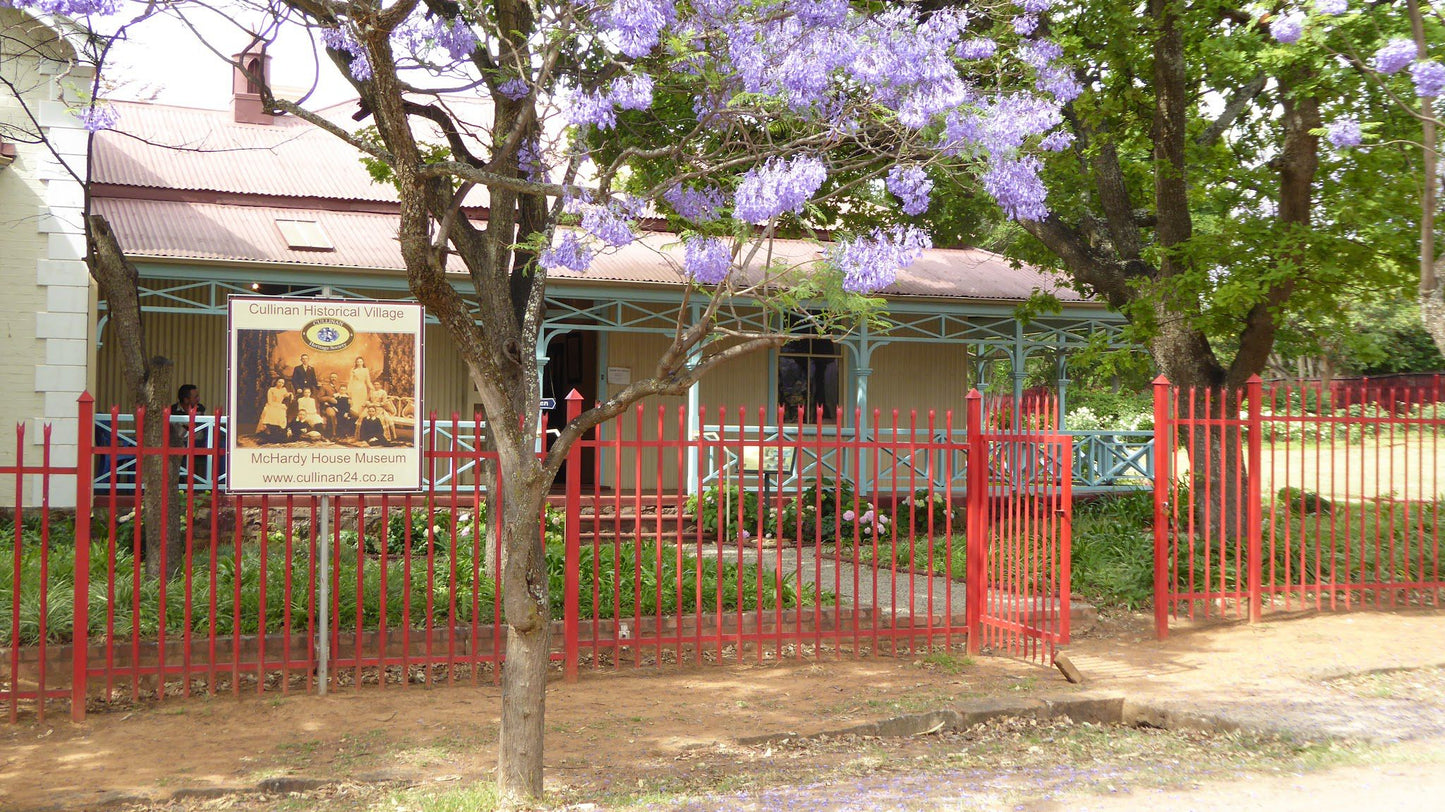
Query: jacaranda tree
{"type": "Point", "coordinates": [548, 113]}
{"type": "Point", "coordinates": [1397, 47]}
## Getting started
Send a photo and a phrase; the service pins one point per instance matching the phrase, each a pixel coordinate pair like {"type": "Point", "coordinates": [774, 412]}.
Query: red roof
{"type": "Point", "coordinates": [211, 232]}
{"type": "Point", "coordinates": [160, 147]}
{"type": "Point", "coordinates": [188, 184]}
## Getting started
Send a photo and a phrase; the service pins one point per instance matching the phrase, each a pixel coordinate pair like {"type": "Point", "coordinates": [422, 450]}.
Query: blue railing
{"type": "Point", "coordinates": [455, 459]}
{"type": "Point", "coordinates": [1103, 460]}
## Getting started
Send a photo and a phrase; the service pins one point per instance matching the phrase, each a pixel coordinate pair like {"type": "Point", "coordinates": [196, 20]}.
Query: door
{"type": "Point", "coordinates": [571, 364]}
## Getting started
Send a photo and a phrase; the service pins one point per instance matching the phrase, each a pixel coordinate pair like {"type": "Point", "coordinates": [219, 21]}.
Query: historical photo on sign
{"type": "Point", "coordinates": [337, 379]}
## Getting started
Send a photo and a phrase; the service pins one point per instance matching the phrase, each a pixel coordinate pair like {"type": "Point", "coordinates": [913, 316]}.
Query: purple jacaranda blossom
{"type": "Point", "coordinates": [515, 88]}
{"type": "Point", "coordinates": [871, 263]}
{"type": "Point", "coordinates": [912, 186]}
{"type": "Point", "coordinates": [97, 116]}
{"type": "Point", "coordinates": [1331, 7]}
{"type": "Point", "coordinates": [636, 24]}
{"type": "Point", "coordinates": [1344, 133]}
{"type": "Point", "coordinates": [1060, 83]}
{"type": "Point", "coordinates": [1038, 54]}
{"type": "Point", "coordinates": [608, 224]}
{"type": "Point", "coordinates": [697, 205]}
{"type": "Point", "coordinates": [980, 48]}
{"type": "Point", "coordinates": [1287, 28]}
{"type": "Point", "coordinates": [707, 259]}
{"type": "Point", "coordinates": [633, 92]}
{"type": "Point", "coordinates": [342, 39]}
{"type": "Point", "coordinates": [1015, 184]}
{"type": "Point", "coordinates": [818, 12]}
{"type": "Point", "coordinates": [591, 108]}
{"type": "Point", "coordinates": [776, 187]}
{"type": "Point", "coordinates": [1395, 55]}
{"type": "Point", "coordinates": [1026, 24]}
{"type": "Point", "coordinates": [1429, 79]}
{"type": "Point", "coordinates": [1002, 126]}
{"type": "Point", "coordinates": [456, 39]}
{"type": "Point", "coordinates": [529, 161]}
{"type": "Point", "coordinates": [68, 8]}
{"type": "Point", "coordinates": [1056, 141]}
{"type": "Point", "coordinates": [568, 251]}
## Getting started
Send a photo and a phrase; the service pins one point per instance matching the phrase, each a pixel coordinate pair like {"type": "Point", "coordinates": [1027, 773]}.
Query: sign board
{"type": "Point", "coordinates": [548, 404]}
{"type": "Point", "coordinates": [767, 460]}
{"type": "Point", "coordinates": [324, 395]}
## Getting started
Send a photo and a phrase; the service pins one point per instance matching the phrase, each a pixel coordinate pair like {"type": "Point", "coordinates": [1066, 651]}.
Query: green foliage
{"type": "Point", "coordinates": [1377, 335]}
{"type": "Point", "coordinates": [831, 511]}
{"type": "Point", "coordinates": [1113, 550]}
{"type": "Point", "coordinates": [249, 594]}
{"type": "Point", "coordinates": [920, 554]}
{"type": "Point", "coordinates": [1354, 542]}
{"type": "Point", "coordinates": [644, 578]}
{"type": "Point", "coordinates": [733, 508]}
{"type": "Point", "coordinates": [1101, 409]}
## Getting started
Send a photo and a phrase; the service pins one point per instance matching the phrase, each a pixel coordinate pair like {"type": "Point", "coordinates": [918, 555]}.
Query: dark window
{"type": "Point", "coordinates": [809, 372]}
{"type": "Point", "coordinates": [253, 69]}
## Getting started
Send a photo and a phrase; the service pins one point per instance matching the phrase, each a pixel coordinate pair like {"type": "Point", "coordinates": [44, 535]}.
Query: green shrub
{"type": "Point", "coordinates": [732, 508]}
{"type": "Point", "coordinates": [923, 510]}
{"type": "Point", "coordinates": [1113, 550]}
{"type": "Point", "coordinates": [831, 512]}
{"type": "Point", "coordinates": [445, 587]}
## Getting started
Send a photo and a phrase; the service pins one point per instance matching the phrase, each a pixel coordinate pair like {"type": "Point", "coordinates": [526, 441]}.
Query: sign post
{"type": "Point", "coordinates": [325, 398]}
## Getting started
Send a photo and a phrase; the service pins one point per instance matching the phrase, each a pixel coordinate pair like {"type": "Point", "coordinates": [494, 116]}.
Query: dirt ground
{"type": "Point", "coordinates": [616, 734]}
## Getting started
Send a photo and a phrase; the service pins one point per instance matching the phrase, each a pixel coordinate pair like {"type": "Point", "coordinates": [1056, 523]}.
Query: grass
{"type": "Point", "coordinates": [914, 553]}
{"type": "Point", "coordinates": [946, 662]}
{"type": "Point", "coordinates": [1113, 550]}
{"type": "Point", "coordinates": [248, 589]}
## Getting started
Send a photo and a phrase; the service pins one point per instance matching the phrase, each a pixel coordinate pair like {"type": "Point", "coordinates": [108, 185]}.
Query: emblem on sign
{"type": "Point", "coordinates": [327, 335]}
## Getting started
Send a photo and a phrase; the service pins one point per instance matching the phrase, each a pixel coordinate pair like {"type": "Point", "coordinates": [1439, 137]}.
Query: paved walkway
{"type": "Point", "coordinates": [901, 594]}
{"type": "Point", "coordinates": [1284, 675]}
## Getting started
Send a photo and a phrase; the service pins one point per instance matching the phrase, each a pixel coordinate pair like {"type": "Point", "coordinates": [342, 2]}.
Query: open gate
{"type": "Point", "coordinates": [1020, 582]}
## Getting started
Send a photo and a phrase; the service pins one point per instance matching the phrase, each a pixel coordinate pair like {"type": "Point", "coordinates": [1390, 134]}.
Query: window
{"type": "Point", "coordinates": [304, 235]}
{"type": "Point", "coordinates": [809, 372]}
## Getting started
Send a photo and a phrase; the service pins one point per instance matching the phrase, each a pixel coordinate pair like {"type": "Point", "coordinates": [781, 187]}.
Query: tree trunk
{"type": "Point", "coordinates": [149, 381]}
{"type": "Point", "coordinates": [1432, 298]}
{"type": "Point", "coordinates": [160, 511]}
{"type": "Point", "coordinates": [525, 601]}
{"type": "Point", "coordinates": [1432, 314]}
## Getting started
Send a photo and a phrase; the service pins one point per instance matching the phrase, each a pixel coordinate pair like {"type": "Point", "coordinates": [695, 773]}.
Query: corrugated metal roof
{"type": "Point", "coordinates": [209, 231]}
{"type": "Point", "coordinates": [216, 232]}
{"type": "Point", "coordinates": [162, 147]}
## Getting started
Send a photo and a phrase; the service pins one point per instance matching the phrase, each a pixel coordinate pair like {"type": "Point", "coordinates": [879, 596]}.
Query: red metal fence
{"type": "Point", "coordinates": [1281, 498]}
{"type": "Point", "coordinates": [776, 553]}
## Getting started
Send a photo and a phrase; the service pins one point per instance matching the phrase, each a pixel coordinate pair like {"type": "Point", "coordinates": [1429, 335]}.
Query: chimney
{"type": "Point", "coordinates": [246, 93]}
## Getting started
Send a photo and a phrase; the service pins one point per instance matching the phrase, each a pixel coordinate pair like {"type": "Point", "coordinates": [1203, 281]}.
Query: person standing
{"type": "Point", "coordinates": [358, 387]}
{"type": "Point", "coordinates": [303, 376]}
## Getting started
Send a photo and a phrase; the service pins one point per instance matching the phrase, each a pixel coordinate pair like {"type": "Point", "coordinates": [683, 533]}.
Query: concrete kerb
{"type": "Point", "coordinates": [1094, 707]}
{"type": "Point", "coordinates": [1101, 707]}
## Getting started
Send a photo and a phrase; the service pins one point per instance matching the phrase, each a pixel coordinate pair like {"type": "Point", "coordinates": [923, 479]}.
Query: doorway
{"type": "Point", "coordinates": [571, 364]}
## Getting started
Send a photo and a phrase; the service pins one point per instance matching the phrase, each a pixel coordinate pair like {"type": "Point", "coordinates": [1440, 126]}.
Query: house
{"type": "Point", "coordinates": [210, 203]}
{"type": "Point", "coordinates": [48, 312]}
